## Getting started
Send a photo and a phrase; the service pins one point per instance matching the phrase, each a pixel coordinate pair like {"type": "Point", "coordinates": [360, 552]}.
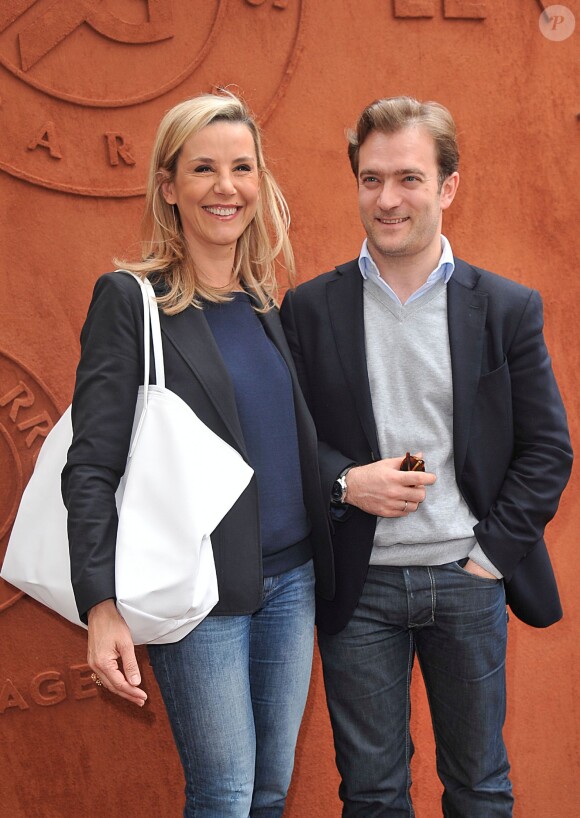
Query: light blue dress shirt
{"type": "Point", "coordinates": [442, 272]}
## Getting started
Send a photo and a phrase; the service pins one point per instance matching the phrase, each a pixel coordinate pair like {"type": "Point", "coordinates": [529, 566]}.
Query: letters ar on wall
{"type": "Point", "coordinates": [82, 88]}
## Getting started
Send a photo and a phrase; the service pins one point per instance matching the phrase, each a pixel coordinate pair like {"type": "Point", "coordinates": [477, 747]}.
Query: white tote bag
{"type": "Point", "coordinates": [180, 481]}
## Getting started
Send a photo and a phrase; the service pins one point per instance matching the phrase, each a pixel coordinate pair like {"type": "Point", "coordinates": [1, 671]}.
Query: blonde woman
{"type": "Point", "coordinates": [215, 223]}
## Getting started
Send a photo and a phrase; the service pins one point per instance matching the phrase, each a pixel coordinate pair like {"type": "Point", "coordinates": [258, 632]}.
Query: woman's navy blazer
{"type": "Point", "coordinates": [108, 377]}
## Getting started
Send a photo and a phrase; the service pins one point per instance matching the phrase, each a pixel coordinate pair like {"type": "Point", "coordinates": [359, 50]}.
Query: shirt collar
{"type": "Point", "coordinates": [442, 272]}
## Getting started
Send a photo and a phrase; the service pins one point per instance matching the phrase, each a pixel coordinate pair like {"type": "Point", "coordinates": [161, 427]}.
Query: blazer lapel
{"type": "Point", "coordinates": [345, 306]}
{"type": "Point", "coordinates": [273, 329]}
{"type": "Point", "coordinates": [466, 314]}
{"type": "Point", "coordinates": [191, 336]}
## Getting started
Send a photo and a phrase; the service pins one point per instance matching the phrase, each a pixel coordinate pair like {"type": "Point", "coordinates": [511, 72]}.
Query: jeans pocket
{"type": "Point", "coordinates": [458, 567]}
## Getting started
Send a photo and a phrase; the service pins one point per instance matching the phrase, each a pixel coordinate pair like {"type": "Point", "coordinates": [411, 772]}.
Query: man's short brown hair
{"type": "Point", "coordinates": [392, 114]}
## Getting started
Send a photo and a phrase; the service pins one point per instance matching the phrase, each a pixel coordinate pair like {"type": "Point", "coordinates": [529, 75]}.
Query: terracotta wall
{"type": "Point", "coordinates": [82, 87]}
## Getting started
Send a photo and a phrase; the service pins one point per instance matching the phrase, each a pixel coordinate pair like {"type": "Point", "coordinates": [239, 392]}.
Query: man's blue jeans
{"type": "Point", "coordinates": [235, 690]}
{"type": "Point", "coordinates": [456, 623]}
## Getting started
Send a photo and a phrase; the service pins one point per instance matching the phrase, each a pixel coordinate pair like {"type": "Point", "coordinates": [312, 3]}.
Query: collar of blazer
{"type": "Point", "coordinates": [466, 314]}
{"type": "Point", "coordinates": [189, 333]}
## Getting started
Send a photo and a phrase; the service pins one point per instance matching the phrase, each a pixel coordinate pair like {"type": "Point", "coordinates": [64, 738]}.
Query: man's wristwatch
{"type": "Point", "coordinates": [339, 487]}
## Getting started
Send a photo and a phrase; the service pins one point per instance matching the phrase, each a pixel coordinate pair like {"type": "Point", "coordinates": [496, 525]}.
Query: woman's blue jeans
{"type": "Point", "coordinates": [235, 690]}
{"type": "Point", "coordinates": [455, 623]}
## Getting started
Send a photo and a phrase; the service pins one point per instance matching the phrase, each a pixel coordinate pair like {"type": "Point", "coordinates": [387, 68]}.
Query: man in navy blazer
{"type": "Point", "coordinates": [409, 349]}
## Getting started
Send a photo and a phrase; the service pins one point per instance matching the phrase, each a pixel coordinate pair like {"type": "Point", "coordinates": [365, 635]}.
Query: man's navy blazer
{"type": "Point", "coordinates": [512, 450]}
{"type": "Point", "coordinates": [108, 376]}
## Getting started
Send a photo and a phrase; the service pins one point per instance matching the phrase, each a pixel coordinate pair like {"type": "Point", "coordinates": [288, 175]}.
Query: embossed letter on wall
{"type": "Point", "coordinates": [27, 414]}
{"type": "Point", "coordinates": [454, 9]}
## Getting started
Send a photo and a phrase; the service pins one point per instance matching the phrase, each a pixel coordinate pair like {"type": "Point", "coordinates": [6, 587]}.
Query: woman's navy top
{"type": "Point", "coordinates": [265, 403]}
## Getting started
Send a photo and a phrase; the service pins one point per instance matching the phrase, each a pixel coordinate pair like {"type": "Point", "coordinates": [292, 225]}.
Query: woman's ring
{"type": "Point", "coordinates": [405, 506]}
{"type": "Point", "coordinates": [96, 680]}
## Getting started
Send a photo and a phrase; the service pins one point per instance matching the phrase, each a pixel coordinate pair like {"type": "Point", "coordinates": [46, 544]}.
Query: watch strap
{"type": "Point", "coordinates": [339, 487]}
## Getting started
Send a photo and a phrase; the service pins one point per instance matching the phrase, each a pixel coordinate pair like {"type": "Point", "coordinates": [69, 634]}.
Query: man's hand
{"type": "Point", "coordinates": [473, 568]}
{"type": "Point", "coordinates": [381, 488]}
{"type": "Point", "coordinates": [110, 641]}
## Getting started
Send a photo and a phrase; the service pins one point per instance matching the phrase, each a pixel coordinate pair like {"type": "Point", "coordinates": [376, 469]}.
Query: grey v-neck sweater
{"type": "Point", "coordinates": [409, 366]}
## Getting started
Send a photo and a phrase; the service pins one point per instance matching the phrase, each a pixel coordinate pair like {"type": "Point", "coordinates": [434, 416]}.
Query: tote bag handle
{"type": "Point", "coordinates": [151, 332]}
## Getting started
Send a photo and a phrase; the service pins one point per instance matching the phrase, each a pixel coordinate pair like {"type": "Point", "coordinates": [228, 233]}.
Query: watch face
{"type": "Point", "coordinates": [336, 492]}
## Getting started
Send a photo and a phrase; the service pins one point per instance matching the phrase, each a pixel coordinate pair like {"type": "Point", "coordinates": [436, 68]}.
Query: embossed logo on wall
{"type": "Point", "coordinates": [84, 82]}
{"type": "Point", "coordinates": [27, 414]}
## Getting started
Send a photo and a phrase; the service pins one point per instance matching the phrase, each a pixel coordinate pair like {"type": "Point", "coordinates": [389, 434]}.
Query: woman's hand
{"type": "Point", "coordinates": [109, 642]}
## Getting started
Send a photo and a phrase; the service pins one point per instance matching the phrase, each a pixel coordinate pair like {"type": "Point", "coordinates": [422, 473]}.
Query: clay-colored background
{"type": "Point", "coordinates": [307, 68]}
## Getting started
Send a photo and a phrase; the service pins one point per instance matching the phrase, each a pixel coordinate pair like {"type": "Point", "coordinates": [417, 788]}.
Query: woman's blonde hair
{"type": "Point", "coordinates": [164, 247]}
